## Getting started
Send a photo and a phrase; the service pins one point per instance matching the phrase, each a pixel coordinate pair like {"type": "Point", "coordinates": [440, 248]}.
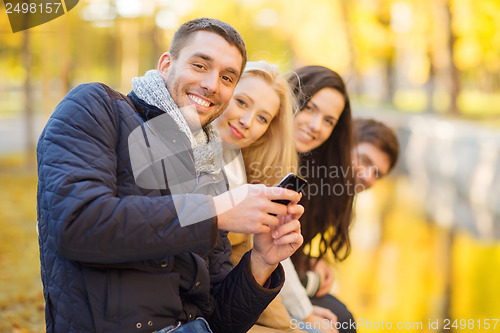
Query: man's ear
{"type": "Point", "coordinates": [164, 64]}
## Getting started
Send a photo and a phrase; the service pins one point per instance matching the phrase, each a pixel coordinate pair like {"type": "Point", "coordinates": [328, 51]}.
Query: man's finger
{"type": "Point", "coordinates": [290, 238]}
{"type": "Point", "coordinates": [277, 209]}
{"type": "Point", "coordinates": [280, 193]}
{"type": "Point", "coordinates": [290, 227]}
{"type": "Point", "coordinates": [295, 210]}
{"type": "Point", "coordinates": [270, 220]}
{"type": "Point", "coordinates": [262, 229]}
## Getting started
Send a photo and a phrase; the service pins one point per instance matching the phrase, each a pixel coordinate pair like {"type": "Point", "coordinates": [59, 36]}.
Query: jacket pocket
{"type": "Point", "coordinates": [132, 299]}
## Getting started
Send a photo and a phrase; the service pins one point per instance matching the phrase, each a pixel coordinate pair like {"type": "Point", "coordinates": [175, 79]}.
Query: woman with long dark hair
{"type": "Point", "coordinates": [323, 138]}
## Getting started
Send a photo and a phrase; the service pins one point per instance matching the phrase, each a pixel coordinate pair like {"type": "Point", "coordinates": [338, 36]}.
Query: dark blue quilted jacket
{"type": "Point", "coordinates": [114, 257]}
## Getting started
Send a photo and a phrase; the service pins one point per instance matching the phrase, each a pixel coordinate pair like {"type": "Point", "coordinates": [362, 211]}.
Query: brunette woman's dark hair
{"type": "Point", "coordinates": [328, 170]}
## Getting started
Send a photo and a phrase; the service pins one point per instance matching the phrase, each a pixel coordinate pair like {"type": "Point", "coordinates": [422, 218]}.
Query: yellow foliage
{"type": "Point", "coordinates": [21, 298]}
{"type": "Point", "coordinates": [397, 272]}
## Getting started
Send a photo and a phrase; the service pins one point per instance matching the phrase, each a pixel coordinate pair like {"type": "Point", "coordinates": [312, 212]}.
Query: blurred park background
{"type": "Point", "coordinates": [426, 241]}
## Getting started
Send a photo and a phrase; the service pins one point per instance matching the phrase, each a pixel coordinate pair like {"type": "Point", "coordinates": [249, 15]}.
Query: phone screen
{"type": "Point", "coordinates": [292, 182]}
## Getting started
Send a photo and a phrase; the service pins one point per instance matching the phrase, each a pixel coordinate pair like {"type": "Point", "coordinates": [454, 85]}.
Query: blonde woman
{"type": "Point", "coordinates": [259, 121]}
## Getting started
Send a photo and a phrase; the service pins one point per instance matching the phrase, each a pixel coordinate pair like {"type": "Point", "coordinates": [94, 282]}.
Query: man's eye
{"type": "Point", "coordinates": [227, 78]}
{"type": "Point", "coordinates": [199, 66]}
{"type": "Point", "coordinates": [364, 160]}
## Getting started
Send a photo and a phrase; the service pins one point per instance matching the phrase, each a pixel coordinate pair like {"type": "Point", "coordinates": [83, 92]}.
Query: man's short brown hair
{"type": "Point", "coordinates": [379, 135]}
{"type": "Point", "coordinates": [223, 29]}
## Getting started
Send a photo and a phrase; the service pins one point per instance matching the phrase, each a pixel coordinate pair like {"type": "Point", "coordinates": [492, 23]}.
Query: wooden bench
{"type": "Point", "coordinates": [262, 329]}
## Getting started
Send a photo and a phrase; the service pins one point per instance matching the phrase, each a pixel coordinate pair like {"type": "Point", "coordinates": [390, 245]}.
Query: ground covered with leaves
{"type": "Point", "coordinates": [21, 297]}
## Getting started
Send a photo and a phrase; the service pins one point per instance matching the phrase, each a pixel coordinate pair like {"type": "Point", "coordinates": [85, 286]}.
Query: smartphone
{"type": "Point", "coordinates": [292, 182]}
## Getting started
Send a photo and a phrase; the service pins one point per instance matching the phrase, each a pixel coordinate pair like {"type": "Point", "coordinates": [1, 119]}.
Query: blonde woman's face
{"type": "Point", "coordinates": [247, 117]}
{"type": "Point", "coordinates": [316, 121]}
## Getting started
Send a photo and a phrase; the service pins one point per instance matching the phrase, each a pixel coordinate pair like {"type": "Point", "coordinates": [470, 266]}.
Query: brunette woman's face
{"type": "Point", "coordinates": [315, 122]}
{"type": "Point", "coordinates": [253, 106]}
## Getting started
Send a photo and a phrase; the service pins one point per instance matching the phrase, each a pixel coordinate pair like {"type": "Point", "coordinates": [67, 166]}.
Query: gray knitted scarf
{"type": "Point", "coordinates": [152, 89]}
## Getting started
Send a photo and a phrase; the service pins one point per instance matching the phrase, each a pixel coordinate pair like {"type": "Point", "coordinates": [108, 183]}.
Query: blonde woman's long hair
{"type": "Point", "coordinates": [273, 155]}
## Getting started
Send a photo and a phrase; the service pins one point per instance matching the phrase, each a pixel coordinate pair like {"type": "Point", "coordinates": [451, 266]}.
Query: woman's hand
{"type": "Point", "coordinates": [326, 275]}
{"type": "Point", "coordinates": [323, 319]}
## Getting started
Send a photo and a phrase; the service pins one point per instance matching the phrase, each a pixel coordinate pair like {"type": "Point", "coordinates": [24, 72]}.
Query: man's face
{"type": "Point", "coordinates": [201, 80]}
{"type": "Point", "coordinates": [370, 164]}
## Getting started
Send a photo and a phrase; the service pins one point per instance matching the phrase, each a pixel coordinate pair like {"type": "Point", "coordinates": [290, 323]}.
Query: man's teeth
{"type": "Point", "coordinates": [199, 101]}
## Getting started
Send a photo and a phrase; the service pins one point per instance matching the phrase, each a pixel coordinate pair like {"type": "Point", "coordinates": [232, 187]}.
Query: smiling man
{"type": "Point", "coordinates": [201, 76]}
{"type": "Point", "coordinates": [115, 255]}
{"type": "Point", "coordinates": [375, 152]}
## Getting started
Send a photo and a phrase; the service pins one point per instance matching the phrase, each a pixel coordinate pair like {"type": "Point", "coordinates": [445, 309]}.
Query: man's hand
{"type": "Point", "coordinates": [276, 245]}
{"type": "Point", "coordinates": [246, 209]}
{"type": "Point", "coordinates": [326, 275]}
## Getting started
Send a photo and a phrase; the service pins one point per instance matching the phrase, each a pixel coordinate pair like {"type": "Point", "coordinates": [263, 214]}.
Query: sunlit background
{"type": "Point", "coordinates": [425, 241]}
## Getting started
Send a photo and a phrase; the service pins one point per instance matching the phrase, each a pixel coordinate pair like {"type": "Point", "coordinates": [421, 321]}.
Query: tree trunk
{"type": "Point", "coordinates": [65, 61]}
{"type": "Point", "coordinates": [447, 260]}
{"type": "Point", "coordinates": [348, 28]}
{"type": "Point", "coordinates": [28, 102]}
{"type": "Point", "coordinates": [430, 85]}
{"type": "Point", "coordinates": [453, 70]}
{"type": "Point", "coordinates": [129, 31]}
